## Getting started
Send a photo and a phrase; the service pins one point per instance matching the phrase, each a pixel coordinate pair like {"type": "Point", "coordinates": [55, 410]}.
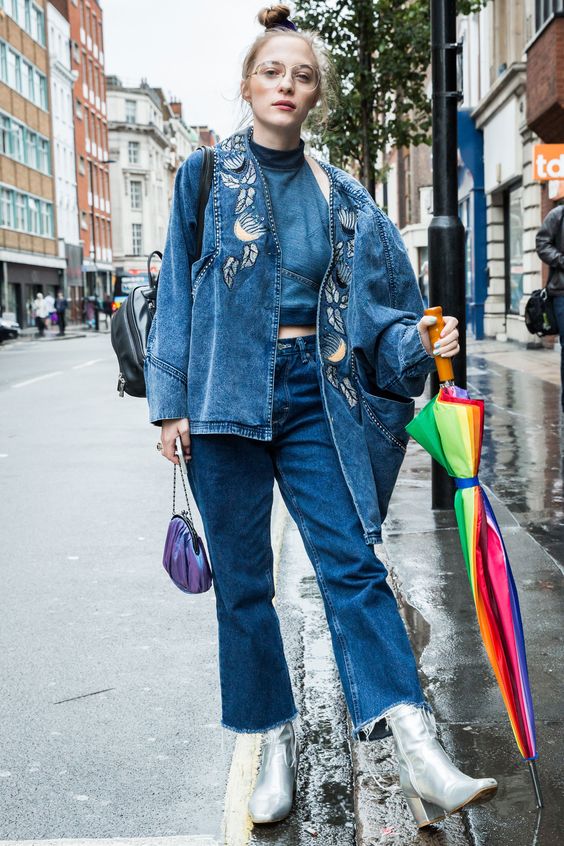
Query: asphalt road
{"type": "Point", "coordinates": [109, 715]}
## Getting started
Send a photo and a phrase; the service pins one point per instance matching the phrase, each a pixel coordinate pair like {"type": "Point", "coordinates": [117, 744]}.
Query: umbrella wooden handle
{"type": "Point", "coordinates": [444, 365]}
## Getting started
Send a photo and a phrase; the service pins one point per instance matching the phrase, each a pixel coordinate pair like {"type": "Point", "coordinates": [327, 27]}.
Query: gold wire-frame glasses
{"type": "Point", "coordinates": [271, 72]}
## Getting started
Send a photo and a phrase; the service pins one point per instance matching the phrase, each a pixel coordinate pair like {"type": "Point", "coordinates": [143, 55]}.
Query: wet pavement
{"type": "Point", "coordinates": [522, 469]}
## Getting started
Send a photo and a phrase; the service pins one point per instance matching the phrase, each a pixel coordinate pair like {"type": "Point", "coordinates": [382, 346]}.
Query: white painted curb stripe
{"type": "Point", "coordinates": [87, 363]}
{"type": "Point", "coordinates": [29, 382]}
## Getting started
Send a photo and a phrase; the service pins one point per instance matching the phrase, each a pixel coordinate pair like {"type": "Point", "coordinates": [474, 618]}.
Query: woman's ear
{"type": "Point", "coordinates": [243, 88]}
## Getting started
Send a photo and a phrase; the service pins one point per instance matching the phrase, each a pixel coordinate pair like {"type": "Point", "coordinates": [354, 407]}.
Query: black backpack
{"type": "Point", "coordinates": [539, 314]}
{"type": "Point", "coordinates": [131, 323]}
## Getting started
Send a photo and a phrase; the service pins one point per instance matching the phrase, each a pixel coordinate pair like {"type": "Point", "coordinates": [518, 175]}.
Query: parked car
{"type": "Point", "coordinates": [9, 329]}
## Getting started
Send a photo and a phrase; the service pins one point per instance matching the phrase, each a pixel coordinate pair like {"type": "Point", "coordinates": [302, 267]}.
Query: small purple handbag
{"type": "Point", "coordinates": [184, 556]}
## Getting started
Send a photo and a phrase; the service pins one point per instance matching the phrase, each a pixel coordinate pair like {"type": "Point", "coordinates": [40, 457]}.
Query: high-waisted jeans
{"type": "Point", "coordinates": [232, 479]}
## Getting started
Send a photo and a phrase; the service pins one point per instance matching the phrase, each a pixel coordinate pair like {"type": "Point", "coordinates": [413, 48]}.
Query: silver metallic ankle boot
{"type": "Point", "coordinates": [432, 785]}
{"type": "Point", "coordinates": [276, 782]}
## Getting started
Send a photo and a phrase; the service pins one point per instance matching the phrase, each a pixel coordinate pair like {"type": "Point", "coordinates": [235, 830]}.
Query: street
{"type": "Point", "coordinates": [110, 708]}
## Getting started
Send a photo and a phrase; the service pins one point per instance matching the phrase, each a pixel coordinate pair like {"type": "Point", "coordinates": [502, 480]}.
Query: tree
{"type": "Point", "coordinates": [380, 52]}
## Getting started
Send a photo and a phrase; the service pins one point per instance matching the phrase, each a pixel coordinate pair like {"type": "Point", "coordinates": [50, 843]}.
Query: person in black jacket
{"type": "Point", "coordinates": [550, 248]}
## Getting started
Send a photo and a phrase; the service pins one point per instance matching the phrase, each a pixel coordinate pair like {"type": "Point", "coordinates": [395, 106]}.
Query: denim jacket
{"type": "Point", "coordinates": [212, 346]}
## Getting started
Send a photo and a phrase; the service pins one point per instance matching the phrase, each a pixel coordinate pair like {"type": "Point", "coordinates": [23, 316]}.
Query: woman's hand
{"type": "Point", "coordinates": [178, 427]}
{"type": "Point", "coordinates": [448, 345]}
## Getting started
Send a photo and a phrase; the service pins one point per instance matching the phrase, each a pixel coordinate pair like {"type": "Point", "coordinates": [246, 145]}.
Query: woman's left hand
{"type": "Point", "coordinates": [448, 345]}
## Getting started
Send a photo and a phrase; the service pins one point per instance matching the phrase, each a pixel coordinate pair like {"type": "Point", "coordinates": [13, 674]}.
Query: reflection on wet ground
{"type": "Point", "coordinates": [523, 455]}
{"type": "Point", "coordinates": [522, 466]}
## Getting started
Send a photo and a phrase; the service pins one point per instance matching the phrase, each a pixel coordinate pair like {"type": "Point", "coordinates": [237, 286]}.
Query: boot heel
{"type": "Point", "coordinates": [424, 813]}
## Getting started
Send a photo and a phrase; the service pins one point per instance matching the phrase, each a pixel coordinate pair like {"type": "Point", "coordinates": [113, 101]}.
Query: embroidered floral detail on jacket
{"type": "Point", "coordinates": [234, 142]}
{"type": "Point", "coordinates": [234, 161]}
{"type": "Point", "coordinates": [335, 318]}
{"type": "Point", "coordinates": [245, 199]}
{"type": "Point", "coordinates": [346, 387]}
{"type": "Point", "coordinates": [348, 219]}
{"type": "Point", "coordinates": [230, 268]}
{"type": "Point", "coordinates": [249, 226]}
{"type": "Point", "coordinates": [344, 274]}
{"type": "Point", "coordinates": [333, 348]}
{"type": "Point", "coordinates": [331, 292]}
{"type": "Point", "coordinates": [250, 253]}
{"type": "Point", "coordinates": [349, 391]}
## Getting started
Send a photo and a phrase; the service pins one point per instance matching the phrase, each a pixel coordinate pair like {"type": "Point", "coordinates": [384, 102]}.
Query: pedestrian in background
{"type": "Point", "coordinates": [550, 248]}
{"type": "Point", "coordinates": [41, 313]}
{"type": "Point", "coordinates": [107, 307]}
{"type": "Point", "coordinates": [236, 370]}
{"type": "Point", "coordinates": [61, 305]}
{"type": "Point", "coordinates": [51, 312]}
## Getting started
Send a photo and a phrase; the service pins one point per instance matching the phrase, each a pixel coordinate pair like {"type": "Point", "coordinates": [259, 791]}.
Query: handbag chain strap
{"type": "Point", "coordinates": [185, 493]}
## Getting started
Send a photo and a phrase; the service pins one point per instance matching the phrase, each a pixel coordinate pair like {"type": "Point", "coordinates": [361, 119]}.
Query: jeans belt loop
{"type": "Point", "coordinates": [303, 352]}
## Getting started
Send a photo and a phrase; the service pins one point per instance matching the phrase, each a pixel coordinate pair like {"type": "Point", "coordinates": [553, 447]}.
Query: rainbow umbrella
{"type": "Point", "coordinates": [450, 428]}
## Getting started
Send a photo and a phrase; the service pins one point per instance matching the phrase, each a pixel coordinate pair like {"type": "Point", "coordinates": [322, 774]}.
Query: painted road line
{"type": "Point", "coordinates": [86, 364]}
{"type": "Point", "coordinates": [237, 824]}
{"type": "Point", "coordinates": [189, 840]}
{"type": "Point", "coordinates": [30, 382]}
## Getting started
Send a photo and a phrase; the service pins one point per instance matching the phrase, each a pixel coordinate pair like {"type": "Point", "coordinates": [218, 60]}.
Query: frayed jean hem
{"type": "Point", "coordinates": [261, 730]}
{"type": "Point", "coordinates": [367, 726]}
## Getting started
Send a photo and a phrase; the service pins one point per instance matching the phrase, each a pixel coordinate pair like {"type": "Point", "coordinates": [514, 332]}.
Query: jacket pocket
{"type": "Point", "coordinates": [388, 411]}
{"type": "Point", "coordinates": [199, 269]}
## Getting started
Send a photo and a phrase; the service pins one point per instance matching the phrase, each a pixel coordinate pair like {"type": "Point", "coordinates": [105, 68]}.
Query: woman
{"type": "Point", "coordinates": [290, 350]}
{"type": "Point", "coordinates": [41, 313]}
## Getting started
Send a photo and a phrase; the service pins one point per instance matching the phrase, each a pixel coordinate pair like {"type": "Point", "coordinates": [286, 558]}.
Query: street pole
{"type": "Point", "coordinates": [446, 232]}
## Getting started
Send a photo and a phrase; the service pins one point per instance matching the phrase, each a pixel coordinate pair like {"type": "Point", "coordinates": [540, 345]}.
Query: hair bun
{"type": "Point", "coordinates": [277, 15]}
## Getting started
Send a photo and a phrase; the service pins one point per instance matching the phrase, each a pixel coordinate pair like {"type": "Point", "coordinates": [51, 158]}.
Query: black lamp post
{"type": "Point", "coordinates": [446, 232]}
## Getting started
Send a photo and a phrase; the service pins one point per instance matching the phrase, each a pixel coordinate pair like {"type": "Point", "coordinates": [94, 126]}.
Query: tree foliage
{"type": "Point", "coordinates": [380, 53]}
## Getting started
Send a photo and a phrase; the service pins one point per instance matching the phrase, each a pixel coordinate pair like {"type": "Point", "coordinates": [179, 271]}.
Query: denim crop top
{"type": "Point", "coordinates": [301, 215]}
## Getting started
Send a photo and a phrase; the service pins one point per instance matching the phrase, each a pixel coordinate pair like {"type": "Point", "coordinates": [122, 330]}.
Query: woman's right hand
{"type": "Point", "coordinates": [179, 427]}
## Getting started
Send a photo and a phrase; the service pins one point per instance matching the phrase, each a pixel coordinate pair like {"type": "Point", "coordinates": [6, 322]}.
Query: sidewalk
{"type": "Point", "coordinates": [522, 469]}
{"type": "Point", "coordinates": [73, 331]}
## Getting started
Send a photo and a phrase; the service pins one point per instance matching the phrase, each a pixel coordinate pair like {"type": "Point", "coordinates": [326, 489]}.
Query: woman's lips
{"type": "Point", "coordinates": [284, 106]}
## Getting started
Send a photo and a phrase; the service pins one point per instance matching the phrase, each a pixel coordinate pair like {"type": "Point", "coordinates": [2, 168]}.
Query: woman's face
{"type": "Point", "coordinates": [259, 91]}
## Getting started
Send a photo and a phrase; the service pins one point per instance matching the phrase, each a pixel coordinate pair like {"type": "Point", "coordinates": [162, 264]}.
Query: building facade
{"type": "Point", "coordinates": [64, 162]}
{"type": "Point", "coordinates": [29, 255]}
{"type": "Point", "coordinates": [148, 141]}
{"type": "Point", "coordinates": [91, 144]}
{"type": "Point", "coordinates": [514, 95]}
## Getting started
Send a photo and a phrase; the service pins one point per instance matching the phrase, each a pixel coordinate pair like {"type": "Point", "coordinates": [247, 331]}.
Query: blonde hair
{"type": "Point", "coordinates": [271, 18]}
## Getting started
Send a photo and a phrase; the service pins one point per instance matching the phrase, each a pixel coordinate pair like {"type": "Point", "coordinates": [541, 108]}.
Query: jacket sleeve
{"type": "Point", "coordinates": [166, 362]}
{"type": "Point", "coordinates": [395, 350]}
{"type": "Point", "coordinates": [547, 235]}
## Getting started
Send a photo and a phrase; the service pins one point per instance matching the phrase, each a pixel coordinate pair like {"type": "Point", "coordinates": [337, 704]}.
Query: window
{"type": "Point", "coordinates": [136, 239]}
{"type": "Point", "coordinates": [130, 111]}
{"type": "Point", "coordinates": [21, 212]}
{"type": "Point", "coordinates": [81, 165]}
{"type": "Point", "coordinates": [545, 9]}
{"type": "Point", "coordinates": [78, 109]}
{"type": "Point", "coordinates": [23, 144]}
{"type": "Point", "coordinates": [514, 248]}
{"type": "Point", "coordinates": [18, 141]}
{"type": "Point", "coordinates": [5, 135]}
{"type": "Point", "coordinates": [22, 76]}
{"type": "Point", "coordinates": [25, 213]}
{"type": "Point", "coordinates": [6, 208]}
{"type": "Point", "coordinates": [136, 197]}
{"type": "Point", "coordinates": [133, 152]}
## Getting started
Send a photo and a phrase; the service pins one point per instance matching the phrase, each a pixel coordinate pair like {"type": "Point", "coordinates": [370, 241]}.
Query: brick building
{"type": "Point", "coordinates": [29, 259]}
{"type": "Point", "coordinates": [91, 143]}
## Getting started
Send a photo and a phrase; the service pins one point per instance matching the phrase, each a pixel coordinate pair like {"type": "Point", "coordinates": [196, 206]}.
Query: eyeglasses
{"type": "Point", "coordinates": [305, 77]}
